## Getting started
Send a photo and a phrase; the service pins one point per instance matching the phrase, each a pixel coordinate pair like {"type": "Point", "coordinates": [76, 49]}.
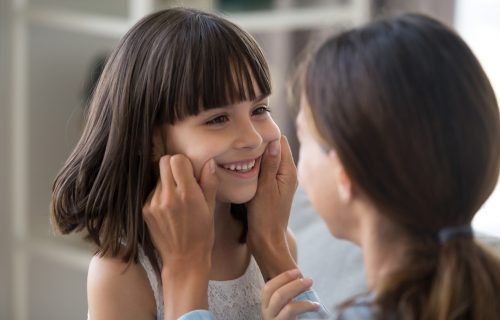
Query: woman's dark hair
{"type": "Point", "coordinates": [416, 124]}
{"type": "Point", "coordinates": [172, 64]}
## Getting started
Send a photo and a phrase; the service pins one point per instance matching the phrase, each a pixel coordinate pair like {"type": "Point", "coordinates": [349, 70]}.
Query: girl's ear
{"type": "Point", "coordinates": [158, 144]}
{"type": "Point", "coordinates": [343, 181]}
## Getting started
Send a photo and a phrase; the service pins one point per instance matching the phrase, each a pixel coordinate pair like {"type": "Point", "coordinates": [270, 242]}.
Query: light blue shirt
{"type": "Point", "coordinates": [361, 309]}
{"type": "Point", "coordinates": [310, 295]}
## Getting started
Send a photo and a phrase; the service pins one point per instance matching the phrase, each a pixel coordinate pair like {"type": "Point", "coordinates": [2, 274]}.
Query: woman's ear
{"type": "Point", "coordinates": [343, 181]}
{"type": "Point", "coordinates": [158, 144]}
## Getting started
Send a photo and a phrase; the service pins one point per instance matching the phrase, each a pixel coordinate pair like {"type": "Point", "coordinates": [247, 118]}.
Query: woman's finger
{"type": "Point", "coordinates": [287, 172]}
{"type": "Point", "coordinates": [287, 165]}
{"type": "Point", "coordinates": [276, 283]}
{"type": "Point", "coordinates": [209, 183]}
{"type": "Point", "coordinates": [182, 171]}
{"type": "Point", "coordinates": [282, 296]}
{"type": "Point", "coordinates": [295, 308]}
{"type": "Point", "coordinates": [154, 198]}
{"type": "Point", "coordinates": [270, 163]}
{"type": "Point", "coordinates": [167, 179]}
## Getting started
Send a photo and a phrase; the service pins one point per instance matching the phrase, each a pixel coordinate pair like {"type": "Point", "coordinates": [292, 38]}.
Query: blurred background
{"type": "Point", "coordinates": [51, 52]}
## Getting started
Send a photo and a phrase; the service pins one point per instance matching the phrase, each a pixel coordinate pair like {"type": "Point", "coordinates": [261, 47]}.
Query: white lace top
{"type": "Point", "coordinates": [231, 299]}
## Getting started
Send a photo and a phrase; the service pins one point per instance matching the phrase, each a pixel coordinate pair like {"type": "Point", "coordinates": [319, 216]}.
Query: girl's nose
{"type": "Point", "coordinates": [247, 136]}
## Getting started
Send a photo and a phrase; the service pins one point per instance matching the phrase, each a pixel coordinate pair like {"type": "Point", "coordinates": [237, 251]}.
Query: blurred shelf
{"type": "Point", "coordinates": [118, 8]}
{"type": "Point", "coordinates": [353, 12]}
{"type": "Point", "coordinates": [76, 21]}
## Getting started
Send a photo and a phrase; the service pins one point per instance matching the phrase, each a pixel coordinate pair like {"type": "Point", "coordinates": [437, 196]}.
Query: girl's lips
{"type": "Point", "coordinates": [244, 175]}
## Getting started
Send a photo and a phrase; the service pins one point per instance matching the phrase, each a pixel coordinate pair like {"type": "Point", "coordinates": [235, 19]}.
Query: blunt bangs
{"type": "Point", "coordinates": [216, 64]}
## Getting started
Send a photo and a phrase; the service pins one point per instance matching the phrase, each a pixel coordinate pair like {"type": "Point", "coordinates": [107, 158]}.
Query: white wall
{"type": "Point", "coordinates": [5, 235]}
{"type": "Point", "coordinates": [478, 22]}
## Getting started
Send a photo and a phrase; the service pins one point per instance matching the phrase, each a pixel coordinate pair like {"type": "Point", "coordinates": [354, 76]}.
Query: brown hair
{"type": "Point", "coordinates": [170, 65]}
{"type": "Point", "coordinates": [416, 124]}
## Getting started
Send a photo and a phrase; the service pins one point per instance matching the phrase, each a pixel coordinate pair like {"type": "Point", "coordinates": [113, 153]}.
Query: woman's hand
{"type": "Point", "coordinates": [278, 294]}
{"type": "Point", "coordinates": [179, 211]}
{"type": "Point", "coordinates": [180, 218]}
{"type": "Point", "coordinates": [269, 210]}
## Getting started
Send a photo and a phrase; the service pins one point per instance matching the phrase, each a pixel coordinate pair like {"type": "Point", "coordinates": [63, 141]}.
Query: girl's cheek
{"type": "Point", "coordinates": [198, 160]}
{"type": "Point", "coordinates": [272, 132]}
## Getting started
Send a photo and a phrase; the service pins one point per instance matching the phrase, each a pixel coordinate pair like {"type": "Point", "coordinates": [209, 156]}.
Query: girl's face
{"type": "Point", "coordinates": [235, 136]}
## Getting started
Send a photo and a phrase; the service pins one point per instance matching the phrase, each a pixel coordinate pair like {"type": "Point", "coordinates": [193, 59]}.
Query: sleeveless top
{"type": "Point", "coordinates": [231, 299]}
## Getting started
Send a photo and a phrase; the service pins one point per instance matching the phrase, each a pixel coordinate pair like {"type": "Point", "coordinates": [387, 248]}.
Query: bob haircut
{"type": "Point", "coordinates": [171, 65]}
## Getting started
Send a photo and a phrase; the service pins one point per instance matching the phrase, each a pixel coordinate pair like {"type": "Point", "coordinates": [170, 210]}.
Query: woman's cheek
{"type": "Point", "coordinates": [301, 169]}
{"type": "Point", "coordinates": [304, 168]}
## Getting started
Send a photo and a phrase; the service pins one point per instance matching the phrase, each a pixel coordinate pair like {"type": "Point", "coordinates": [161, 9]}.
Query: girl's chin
{"type": "Point", "coordinates": [235, 198]}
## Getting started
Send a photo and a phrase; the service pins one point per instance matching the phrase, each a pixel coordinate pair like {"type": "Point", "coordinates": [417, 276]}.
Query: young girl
{"type": "Point", "coordinates": [400, 146]}
{"type": "Point", "coordinates": [179, 82]}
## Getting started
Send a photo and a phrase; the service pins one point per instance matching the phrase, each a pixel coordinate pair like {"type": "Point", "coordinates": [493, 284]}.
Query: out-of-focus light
{"type": "Point", "coordinates": [478, 22]}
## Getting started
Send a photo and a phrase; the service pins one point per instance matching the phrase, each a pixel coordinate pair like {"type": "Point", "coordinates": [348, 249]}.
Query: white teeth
{"type": "Point", "coordinates": [245, 167]}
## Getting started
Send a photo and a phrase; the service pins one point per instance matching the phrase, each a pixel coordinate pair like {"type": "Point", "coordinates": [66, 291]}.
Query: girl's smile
{"type": "Point", "coordinates": [245, 169]}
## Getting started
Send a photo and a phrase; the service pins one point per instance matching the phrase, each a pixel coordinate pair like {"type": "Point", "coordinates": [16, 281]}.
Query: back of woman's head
{"type": "Point", "coordinates": [416, 124]}
{"type": "Point", "coordinates": [172, 64]}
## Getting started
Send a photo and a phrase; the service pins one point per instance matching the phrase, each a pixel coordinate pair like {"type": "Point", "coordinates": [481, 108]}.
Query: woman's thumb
{"type": "Point", "coordinates": [209, 183]}
{"type": "Point", "coordinates": [270, 161]}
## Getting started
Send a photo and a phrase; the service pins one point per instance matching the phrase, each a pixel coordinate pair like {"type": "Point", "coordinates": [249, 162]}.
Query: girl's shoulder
{"type": "Point", "coordinates": [116, 289]}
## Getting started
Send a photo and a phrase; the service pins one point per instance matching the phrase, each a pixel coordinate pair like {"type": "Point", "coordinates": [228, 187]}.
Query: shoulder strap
{"type": "Point", "coordinates": [153, 281]}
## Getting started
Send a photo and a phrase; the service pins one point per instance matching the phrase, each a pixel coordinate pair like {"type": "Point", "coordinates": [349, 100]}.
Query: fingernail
{"type": "Point", "coordinates": [307, 281]}
{"type": "Point", "coordinates": [294, 273]}
{"type": "Point", "coordinates": [316, 305]}
{"type": "Point", "coordinates": [211, 166]}
{"type": "Point", "coordinates": [274, 148]}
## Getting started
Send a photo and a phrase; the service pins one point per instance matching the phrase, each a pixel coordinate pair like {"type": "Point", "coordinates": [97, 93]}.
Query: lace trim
{"type": "Point", "coordinates": [154, 282]}
{"type": "Point", "coordinates": [231, 299]}
{"type": "Point", "coordinates": [238, 298]}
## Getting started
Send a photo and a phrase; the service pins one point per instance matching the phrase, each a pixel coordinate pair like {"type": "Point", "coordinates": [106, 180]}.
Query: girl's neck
{"type": "Point", "coordinates": [230, 258]}
{"type": "Point", "coordinates": [227, 229]}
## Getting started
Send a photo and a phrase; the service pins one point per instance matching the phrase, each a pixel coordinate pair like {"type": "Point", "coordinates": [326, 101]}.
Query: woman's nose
{"type": "Point", "coordinates": [247, 136]}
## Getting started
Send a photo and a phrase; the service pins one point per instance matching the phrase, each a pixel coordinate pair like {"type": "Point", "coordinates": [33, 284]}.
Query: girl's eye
{"type": "Point", "coordinates": [261, 110]}
{"type": "Point", "coordinates": [218, 120]}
